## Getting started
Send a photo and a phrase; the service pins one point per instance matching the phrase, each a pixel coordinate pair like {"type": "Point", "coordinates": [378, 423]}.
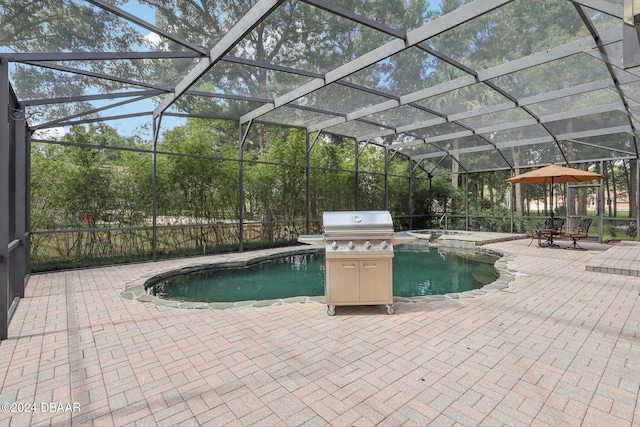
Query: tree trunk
{"type": "Point", "coordinates": [581, 208]}
{"type": "Point", "coordinates": [627, 180]}
{"type": "Point", "coordinates": [492, 196]}
{"type": "Point", "coordinates": [263, 137]}
{"type": "Point", "coordinates": [615, 191]}
{"type": "Point", "coordinates": [455, 167]}
{"type": "Point", "coordinates": [519, 199]}
{"type": "Point", "coordinates": [630, 172]}
{"type": "Point", "coordinates": [608, 190]}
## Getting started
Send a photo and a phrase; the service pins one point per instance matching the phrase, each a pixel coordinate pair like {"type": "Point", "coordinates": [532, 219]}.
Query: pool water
{"type": "Point", "coordinates": [415, 273]}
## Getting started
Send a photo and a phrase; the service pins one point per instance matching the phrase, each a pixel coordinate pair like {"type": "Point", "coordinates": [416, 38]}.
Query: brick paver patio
{"type": "Point", "coordinates": [559, 347]}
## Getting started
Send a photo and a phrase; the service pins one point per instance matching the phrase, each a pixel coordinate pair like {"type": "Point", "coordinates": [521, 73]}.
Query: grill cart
{"type": "Point", "coordinates": [359, 258]}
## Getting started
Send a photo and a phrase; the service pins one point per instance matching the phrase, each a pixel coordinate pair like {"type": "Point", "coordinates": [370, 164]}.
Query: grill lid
{"type": "Point", "coordinates": [357, 224]}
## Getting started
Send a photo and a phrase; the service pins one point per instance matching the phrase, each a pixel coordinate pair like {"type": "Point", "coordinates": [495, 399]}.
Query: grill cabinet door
{"type": "Point", "coordinates": [343, 283]}
{"type": "Point", "coordinates": [374, 280]}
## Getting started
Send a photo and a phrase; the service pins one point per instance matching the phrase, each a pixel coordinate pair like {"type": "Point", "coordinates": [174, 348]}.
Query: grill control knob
{"type": "Point", "coordinates": [351, 245]}
{"type": "Point", "coordinates": [334, 245]}
{"type": "Point", "coordinates": [384, 244]}
{"type": "Point", "coordinates": [367, 245]}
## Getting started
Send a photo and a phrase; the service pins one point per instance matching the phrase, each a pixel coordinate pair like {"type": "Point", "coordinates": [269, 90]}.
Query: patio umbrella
{"type": "Point", "coordinates": [553, 174]}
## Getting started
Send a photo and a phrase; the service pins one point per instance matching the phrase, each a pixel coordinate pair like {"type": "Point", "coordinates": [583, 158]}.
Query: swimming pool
{"type": "Point", "coordinates": [415, 273]}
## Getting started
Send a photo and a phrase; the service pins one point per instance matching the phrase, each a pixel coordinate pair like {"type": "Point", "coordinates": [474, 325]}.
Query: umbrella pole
{"type": "Point", "coordinates": [551, 214]}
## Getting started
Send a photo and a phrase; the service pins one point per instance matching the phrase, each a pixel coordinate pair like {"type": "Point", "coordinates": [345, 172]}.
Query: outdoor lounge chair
{"type": "Point", "coordinates": [582, 232]}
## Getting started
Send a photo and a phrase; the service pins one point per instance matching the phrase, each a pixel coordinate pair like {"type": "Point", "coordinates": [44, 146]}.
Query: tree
{"type": "Point", "coordinates": [278, 180]}
{"type": "Point", "coordinates": [67, 26]}
{"type": "Point", "coordinates": [48, 166]}
{"type": "Point", "coordinates": [198, 185]}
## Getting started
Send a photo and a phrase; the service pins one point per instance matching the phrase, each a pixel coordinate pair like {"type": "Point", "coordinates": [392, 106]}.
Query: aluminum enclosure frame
{"type": "Point", "coordinates": [264, 8]}
{"type": "Point", "coordinates": [14, 209]}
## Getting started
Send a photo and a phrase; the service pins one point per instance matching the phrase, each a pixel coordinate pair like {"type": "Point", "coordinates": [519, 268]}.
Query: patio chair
{"type": "Point", "coordinates": [582, 232]}
{"type": "Point", "coordinates": [552, 227]}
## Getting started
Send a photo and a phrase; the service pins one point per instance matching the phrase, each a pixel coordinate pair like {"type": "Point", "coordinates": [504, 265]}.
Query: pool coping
{"type": "Point", "coordinates": [137, 288]}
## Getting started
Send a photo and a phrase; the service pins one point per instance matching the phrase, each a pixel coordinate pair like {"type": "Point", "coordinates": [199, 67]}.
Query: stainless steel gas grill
{"type": "Point", "coordinates": [359, 256]}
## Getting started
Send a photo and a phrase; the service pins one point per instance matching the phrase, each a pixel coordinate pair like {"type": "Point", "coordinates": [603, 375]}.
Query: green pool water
{"type": "Point", "coordinates": [415, 273]}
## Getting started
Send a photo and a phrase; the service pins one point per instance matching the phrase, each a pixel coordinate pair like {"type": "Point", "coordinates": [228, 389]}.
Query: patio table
{"type": "Point", "coordinates": [548, 234]}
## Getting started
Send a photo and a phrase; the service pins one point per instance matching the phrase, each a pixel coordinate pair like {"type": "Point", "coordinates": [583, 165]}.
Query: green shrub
{"type": "Point", "coordinates": [497, 219]}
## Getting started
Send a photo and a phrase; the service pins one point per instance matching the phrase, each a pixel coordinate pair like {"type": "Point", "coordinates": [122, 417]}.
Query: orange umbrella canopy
{"type": "Point", "coordinates": [553, 174]}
